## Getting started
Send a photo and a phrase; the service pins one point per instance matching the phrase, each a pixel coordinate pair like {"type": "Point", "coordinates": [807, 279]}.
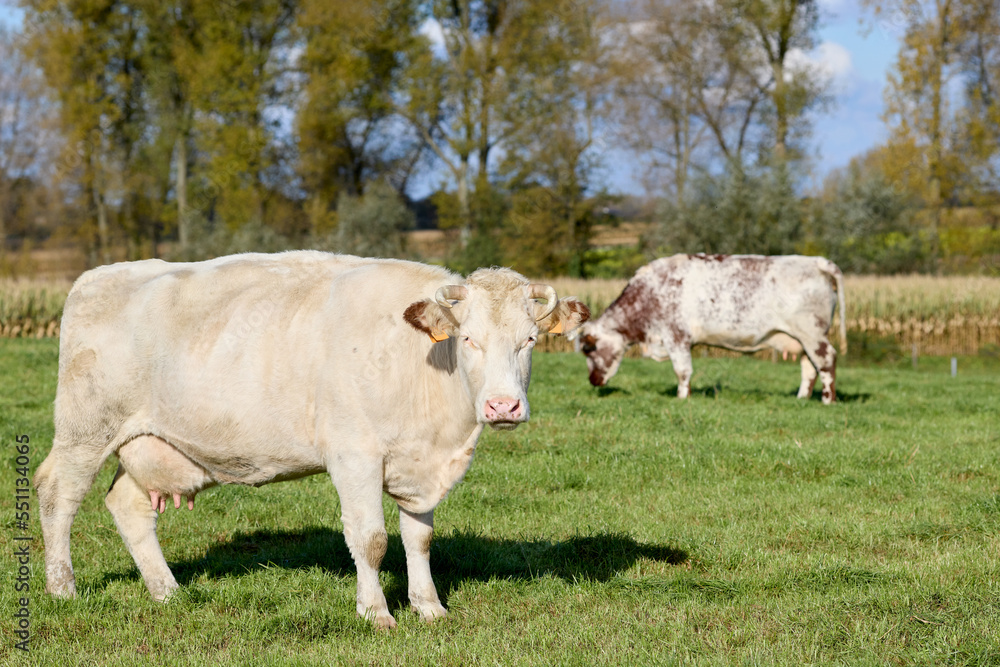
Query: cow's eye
{"type": "Point", "coordinates": [471, 344]}
{"type": "Point", "coordinates": [530, 342]}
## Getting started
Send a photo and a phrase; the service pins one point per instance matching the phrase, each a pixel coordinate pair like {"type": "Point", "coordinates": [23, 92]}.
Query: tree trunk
{"type": "Point", "coordinates": [103, 240]}
{"type": "Point", "coordinates": [936, 153]}
{"type": "Point", "coordinates": [780, 104]}
{"type": "Point", "coordinates": [183, 221]}
{"type": "Point", "coordinates": [3, 227]}
{"type": "Point", "coordinates": [463, 201]}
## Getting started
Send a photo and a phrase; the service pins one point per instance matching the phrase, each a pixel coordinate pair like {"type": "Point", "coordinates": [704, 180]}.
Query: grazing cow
{"type": "Point", "coordinates": [739, 302]}
{"type": "Point", "coordinates": [258, 368]}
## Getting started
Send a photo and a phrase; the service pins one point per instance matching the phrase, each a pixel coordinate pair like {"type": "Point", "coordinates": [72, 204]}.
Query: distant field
{"type": "Point", "coordinates": [620, 527]}
{"type": "Point", "coordinates": [941, 315]}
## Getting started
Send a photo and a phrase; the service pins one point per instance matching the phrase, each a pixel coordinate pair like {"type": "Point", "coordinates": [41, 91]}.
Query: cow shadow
{"type": "Point", "coordinates": [456, 558]}
{"type": "Point", "coordinates": [718, 388]}
{"type": "Point", "coordinates": [610, 391]}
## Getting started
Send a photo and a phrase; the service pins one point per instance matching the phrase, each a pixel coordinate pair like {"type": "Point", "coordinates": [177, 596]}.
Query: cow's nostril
{"type": "Point", "coordinates": [503, 409]}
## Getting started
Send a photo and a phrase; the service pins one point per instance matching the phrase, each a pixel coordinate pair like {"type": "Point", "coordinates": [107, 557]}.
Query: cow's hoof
{"type": "Point", "coordinates": [431, 612]}
{"type": "Point", "coordinates": [163, 591]}
{"type": "Point", "coordinates": [60, 582]}
{"type": "Point", "coordinates": [65, 593]}
{"type": "Point", "coordinates": [384, 622]}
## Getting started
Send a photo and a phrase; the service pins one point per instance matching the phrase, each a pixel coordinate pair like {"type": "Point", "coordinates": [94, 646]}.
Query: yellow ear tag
{"type": "Point", "coordinates": [557, 329]}
{"type": "Point", "coordinates": [437, 335]}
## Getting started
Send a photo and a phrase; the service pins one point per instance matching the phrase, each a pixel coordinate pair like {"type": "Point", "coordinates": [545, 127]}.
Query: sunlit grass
{"type": "Point", "coordinates": [621, 526]}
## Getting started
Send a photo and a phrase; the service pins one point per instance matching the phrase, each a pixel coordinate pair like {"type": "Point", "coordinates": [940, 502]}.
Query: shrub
{"type": "Point", "coordinates": [372, 225]}
{"type": "Point", "coordinates": [208, 241]}
{"type": "Point", "coordinates": [869, 227]}
{"type": "Point", "coordinates": [745, 210]}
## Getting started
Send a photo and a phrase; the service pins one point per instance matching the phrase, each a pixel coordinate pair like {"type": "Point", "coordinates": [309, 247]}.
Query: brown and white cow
{"type": "Point", "coordinates": [257, 368]}
{"type": "Point", "coordinates": [739, 302]}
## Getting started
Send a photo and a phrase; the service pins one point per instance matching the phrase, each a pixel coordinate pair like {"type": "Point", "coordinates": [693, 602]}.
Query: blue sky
{"type": "Point", "coordinates": [853, 124]}
{"type": "Point", "coordinates": [10, 14]}
{"type": "Point", "coordinates": [855, 50]}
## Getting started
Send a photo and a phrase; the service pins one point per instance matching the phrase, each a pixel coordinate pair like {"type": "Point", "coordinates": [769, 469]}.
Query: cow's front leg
{"type": "Point", "coordinates": [680, 358]}
{"type": "Point", "coordinates": [416, 531]}
{"type": "Point", "coordinates": [808, 377]}
{"type": "Point", "coordinates": [360, 491]}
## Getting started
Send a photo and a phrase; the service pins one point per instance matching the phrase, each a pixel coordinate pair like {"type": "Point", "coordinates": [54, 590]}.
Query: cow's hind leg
{"type": "Point", "coordinates": [808, 377]}
{"type": "Point", "coordinates": [61, 482]}
{"type": "Point", "coordinates": [151, 471]}
{"type": "Point", "coordinates": [680, 358]}
{"type": "Point", "coordinates": [359, 485]}
{"type": "Point", "coordinates": [135, 517]}
{"type": "Point", "coordinates": [416, 531]}
{"type": "Point", "coordinates": [824, 358]}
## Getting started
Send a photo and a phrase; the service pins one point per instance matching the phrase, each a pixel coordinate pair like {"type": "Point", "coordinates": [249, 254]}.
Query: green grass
{"type": "Point", "coordinates": [621, 526]}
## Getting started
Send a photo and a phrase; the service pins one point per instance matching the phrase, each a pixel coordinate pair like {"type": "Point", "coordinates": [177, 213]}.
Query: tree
{"type": "Point", "coordinates": [707, 84]}
{"type": "Point", "coordinates": [953, 139]}
{"type": "Point", "coordinates": [750, 209]}
{"type": "Point", "coordinates": [348, 130]}
{"type": "Point", "coordinates": [372, 225]}
{"type": "Point", "coordinates": [236, 86]}
{"type": "Point", "coordinates": [550, 169]}
{"type": "Point", "coordinates": [165, 100]}
{"type": "Point", "coordinates": [171, 61]}
{"type": "Point", "coordinates": [88, 50]}
{"type": "Point", "coordinates": [980, 63]}
{"type": "Point", "coordinates": [778, 28]}
{"type": "Point", "coordinates": [25, 134]}
{"type": "Point", "coordinates": [917, 107]}
{"type": "Point", "coordinates": [661, 87]}
{"type": "Point", "coordinates": [482, 86]}
{"type": "Point", "coordinates": [866, 225]}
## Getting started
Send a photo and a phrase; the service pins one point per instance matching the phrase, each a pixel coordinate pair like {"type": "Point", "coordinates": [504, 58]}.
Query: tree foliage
{"type": "Point", "coordinates": [866, 225]}
{"type": "Point", "coordinates": [706, 84]}
{"type": "Point", "coordinates": [371, 225]}
{"type": "Point", "coordinates": [286, 123]}
{"type": "Point", "coordinates": [26, 136]}
{"type": "Point", "coordinates": [749, 209]}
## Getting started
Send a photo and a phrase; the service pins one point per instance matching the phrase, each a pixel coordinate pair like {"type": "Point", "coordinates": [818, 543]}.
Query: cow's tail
{"type": "Point", "coordinates": [838, 277]}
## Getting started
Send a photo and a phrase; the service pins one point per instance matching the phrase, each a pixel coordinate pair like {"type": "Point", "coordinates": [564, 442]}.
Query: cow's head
{"type": "Point", "coordinates": [604, 348]}
{"type": "Point", "coordinates": [493, 321]}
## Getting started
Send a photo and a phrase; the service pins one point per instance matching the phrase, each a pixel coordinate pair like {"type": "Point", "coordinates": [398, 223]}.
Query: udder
{"type": "Point", "coordinates": [785, 344]}
{"type": "Point", "coordinates": [164, 471]}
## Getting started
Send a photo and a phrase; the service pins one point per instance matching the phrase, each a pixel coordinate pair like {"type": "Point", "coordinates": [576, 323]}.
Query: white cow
{"type": "Point", "coordinates": [257, 368]}
{"type": "Point", "coordinates": [739, 302]}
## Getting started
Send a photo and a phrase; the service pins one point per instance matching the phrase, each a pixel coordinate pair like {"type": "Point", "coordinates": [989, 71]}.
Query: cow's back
{"type": "Point", "coordinates": [226, 347]}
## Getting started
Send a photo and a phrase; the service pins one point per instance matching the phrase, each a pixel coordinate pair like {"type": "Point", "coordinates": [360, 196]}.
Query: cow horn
{"type": "Point", "coordinates": [448, 293]}
{"type": "Point", "coordinates": [546, 292]}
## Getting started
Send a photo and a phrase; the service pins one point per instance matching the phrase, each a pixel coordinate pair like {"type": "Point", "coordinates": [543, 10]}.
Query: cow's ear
{"type": "Point", "coordinates": [569, 313]}
{"type": "Point", "coordinates": [432, 319]}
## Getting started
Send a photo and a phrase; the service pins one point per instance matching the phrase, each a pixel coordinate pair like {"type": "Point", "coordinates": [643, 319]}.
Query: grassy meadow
{"type": "Point", "coordinates": [620, 526]}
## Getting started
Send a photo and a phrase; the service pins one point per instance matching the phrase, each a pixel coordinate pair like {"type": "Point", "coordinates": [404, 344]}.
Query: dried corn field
{"type": "Point", "coordinates": [31, 309]}
{"type": "Point", "coordinates": [941, 315]}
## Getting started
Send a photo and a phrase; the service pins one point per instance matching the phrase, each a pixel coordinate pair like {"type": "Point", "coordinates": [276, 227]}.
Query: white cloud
{"type": "Point", "coordinates": [830, 59]}
{"type": "Point", "coordinates": [433, 31]}
{"type": "Point", "coordinates": [835, 60]}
